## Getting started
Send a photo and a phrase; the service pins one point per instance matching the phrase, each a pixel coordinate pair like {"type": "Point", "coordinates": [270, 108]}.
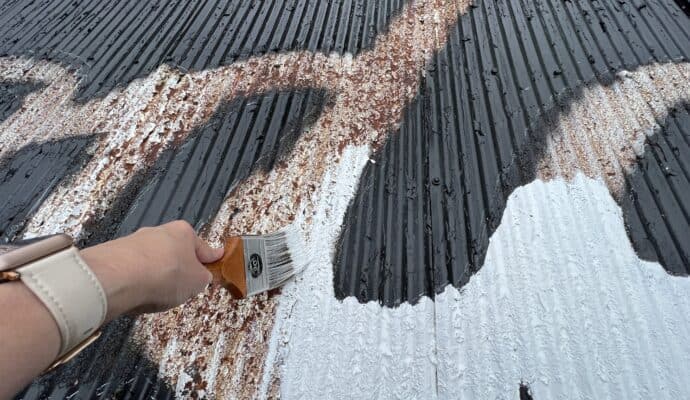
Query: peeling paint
{"type": "Point", "coordinates": [157, 111]}
{"type": "Point", "coordinates": [605, 131]}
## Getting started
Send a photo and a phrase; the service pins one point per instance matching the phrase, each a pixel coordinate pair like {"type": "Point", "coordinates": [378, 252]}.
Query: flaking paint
{"type": "Point", "coordinates": [605, 131]}
{"type": "Point", "coordinates": [164, 106]}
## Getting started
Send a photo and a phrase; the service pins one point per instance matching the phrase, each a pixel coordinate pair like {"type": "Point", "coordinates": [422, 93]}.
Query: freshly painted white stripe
{"type": "Point", "coordinates": [331, 349]}
{"type": "Point", "coordinates": [561, 303]}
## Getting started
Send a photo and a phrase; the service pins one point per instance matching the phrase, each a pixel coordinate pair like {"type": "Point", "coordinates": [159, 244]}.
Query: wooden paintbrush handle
{"type": "Point", "coordinates": [229, 270]}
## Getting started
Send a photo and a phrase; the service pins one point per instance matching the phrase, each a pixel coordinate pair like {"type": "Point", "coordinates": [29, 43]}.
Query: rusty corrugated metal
{"type": "Point", "coordinates": [109, 44]}
{"type": "Point", "coordinates": [149, 111]}
{"type": "Point", "coordinates": [115, 42]}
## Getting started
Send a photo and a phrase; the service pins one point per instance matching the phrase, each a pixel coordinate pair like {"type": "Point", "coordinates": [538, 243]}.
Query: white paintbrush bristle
{"type": "Point", "coordinates": [285, 255]}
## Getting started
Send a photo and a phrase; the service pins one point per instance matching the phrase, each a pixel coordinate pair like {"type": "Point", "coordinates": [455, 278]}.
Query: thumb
{"type": "Point", "coordinates": [205, 253]}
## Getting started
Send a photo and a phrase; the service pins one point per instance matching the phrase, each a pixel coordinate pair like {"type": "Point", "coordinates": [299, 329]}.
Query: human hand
{"type": "Point", "coordinates": [153, 269]}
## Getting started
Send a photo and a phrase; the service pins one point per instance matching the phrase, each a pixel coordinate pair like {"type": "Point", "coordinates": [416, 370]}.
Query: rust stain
{"type": "Point", "coordinates": [605, 131]}
{"type": "Point", "coordinates": [215, 345]}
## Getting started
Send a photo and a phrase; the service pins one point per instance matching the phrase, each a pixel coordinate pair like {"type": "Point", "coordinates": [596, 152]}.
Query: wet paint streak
{"type": "Point", "coordinates": [429, 203]}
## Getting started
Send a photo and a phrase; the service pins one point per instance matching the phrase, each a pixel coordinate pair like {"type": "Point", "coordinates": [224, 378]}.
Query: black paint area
{"type": "Point", "coordinates": [525, 392]}
{"type": "Point", "coordinates": [29, 175]}
{"type": "Point", "coordinates": [114, 42]}
{"type": "Point", "coordinates": [190, 181]}
{"type": "Point", "coordinates": [425, 210]}
{"type": "Point", "coordinates": [684, 5]}
{"type": "Point", "coordinates": [656, 204]}
{"type": "Point", "coordinates": [12, 96]}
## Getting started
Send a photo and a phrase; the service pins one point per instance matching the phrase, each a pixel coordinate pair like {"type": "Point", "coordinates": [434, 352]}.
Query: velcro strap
{"type": "Point", "coordinates": [70, 291]}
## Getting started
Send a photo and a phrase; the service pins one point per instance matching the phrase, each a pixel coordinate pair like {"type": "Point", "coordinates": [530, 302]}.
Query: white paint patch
{"type": "Point", "coordinates": [183, 379]}
{"type": "Point", "coordinates": [168, 353]}
{"type": "Point", "coordinates": [332, 349]}
{"type": "Point", "coordinates": [562, 303]}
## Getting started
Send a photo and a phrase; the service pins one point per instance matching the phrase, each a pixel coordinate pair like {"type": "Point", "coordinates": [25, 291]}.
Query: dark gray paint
{"type": "Point", "coordinates": [656, 204]}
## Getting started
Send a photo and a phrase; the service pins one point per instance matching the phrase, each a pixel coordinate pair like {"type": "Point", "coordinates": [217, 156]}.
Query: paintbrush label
{"type": "Point", "coordinates": [254, 263]}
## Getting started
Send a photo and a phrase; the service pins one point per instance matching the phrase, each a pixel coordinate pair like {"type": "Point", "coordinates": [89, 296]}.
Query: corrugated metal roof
{"type": "Point", "coordinates": [29, 175]}
{"type": "Point", "coordinates": [245, 100]}
{"type": "Point", "coordinates": [429, 204]}
{"type": "Point", "coordinates": [113, 43]}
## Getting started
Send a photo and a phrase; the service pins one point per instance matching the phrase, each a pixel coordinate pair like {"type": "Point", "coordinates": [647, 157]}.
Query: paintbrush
{"type": "Point", "coordinates": [253, 264]}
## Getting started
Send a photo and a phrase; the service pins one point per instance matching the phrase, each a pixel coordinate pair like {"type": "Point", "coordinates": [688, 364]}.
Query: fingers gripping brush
{"type": "Point", "coordinates": [256, 263]}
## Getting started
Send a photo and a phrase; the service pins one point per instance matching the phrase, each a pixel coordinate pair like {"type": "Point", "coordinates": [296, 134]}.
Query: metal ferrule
{"type": "Point", "coordinates": [255, 267]}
